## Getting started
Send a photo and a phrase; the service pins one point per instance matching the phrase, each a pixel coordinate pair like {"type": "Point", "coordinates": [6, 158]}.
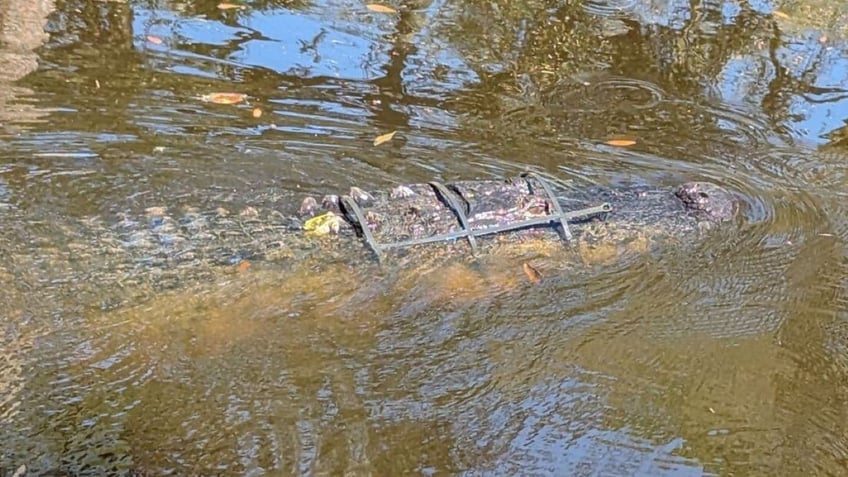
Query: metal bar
{"type": "Point", "coordinates": [449, 199]}
{"type": "Point", "coordinates": [566, 232]}
{"type": "Point", "coordinates": [351, 205]}
{"type": "Point", "coordinates": [547, 219]}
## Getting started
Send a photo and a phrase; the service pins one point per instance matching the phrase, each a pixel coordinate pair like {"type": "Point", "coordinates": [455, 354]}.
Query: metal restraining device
{"type": "Point", "coordinates": [558, 219]}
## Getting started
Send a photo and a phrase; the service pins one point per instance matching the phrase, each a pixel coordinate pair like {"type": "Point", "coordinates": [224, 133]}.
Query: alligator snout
{"type": "Point", "coordinates": [713, 200]}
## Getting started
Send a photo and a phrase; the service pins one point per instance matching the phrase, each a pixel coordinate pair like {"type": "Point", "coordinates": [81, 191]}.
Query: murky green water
{"type": "Point", "coordinates": [726, 357]}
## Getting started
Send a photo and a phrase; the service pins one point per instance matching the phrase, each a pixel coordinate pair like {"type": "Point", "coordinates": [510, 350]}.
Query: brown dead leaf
{"type": "Point", "coordinates": [532, 274]}
{"type": "Point", "coordinates": [224, 98]}
{"type": "Point", "coordinates": [257, 113]}
{"type": "Point", "coordinates": [243, 266]}
{"type": "Point", "coordinates": [621, 142]}
{"type": "Point", "coordinates": [384, 138]}
{"type": "Point", "coordinates": [154, 39]}
{"type": "Point", "coordinates": [375, 7]}
{"type": "Point", "coordinates": [228, 6]}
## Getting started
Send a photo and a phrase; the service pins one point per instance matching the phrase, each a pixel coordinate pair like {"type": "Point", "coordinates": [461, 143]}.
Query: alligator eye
{"type": "Point", "coordinates": [703, 195]}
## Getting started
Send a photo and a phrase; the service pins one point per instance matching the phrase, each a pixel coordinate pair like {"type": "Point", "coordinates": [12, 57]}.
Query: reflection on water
{"type": "Point", "coordinates": [20, 35]}
{"type": "Point", "coordinates": [721, 356]}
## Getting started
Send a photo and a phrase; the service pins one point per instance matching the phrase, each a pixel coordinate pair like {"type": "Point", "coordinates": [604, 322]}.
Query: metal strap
{"type": "Point", "coordinates": [565, 232]}
{"type": "Point", "coordinates": [559, 217]}
{"type": "Point", "coordinates": [352, 206]}
{"type": "Point", "coordinates": [458, 210]}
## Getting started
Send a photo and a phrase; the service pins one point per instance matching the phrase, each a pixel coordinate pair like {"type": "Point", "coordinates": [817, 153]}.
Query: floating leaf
{"type": "Point", "coordinates": [384, 138]}
{"type": "Point", "coordinates": [243, 266]}
{"type": "Point", "coordinates": [375, 7]}
{"type": "Point", "coordinates": [257, 113]}
{"type": "Point", "coordinates": [532, 274]}
{"type": "Point", "coordinates": [323, 224]}
{"type": "Point", "coordinates": [155, 40]}
{"type": "Point", "coordinates": [224, 98]}
{"type": "Point", "coordinates": [228, 6]}
{"type": "Point", "coordinates": [621, 142]}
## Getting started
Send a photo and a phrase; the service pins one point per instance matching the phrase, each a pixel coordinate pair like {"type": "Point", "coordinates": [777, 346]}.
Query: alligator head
{"type": "Point", "coordinates": [714, 201]}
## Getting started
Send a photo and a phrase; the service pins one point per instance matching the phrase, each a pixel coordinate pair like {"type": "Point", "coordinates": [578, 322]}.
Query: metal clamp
{"type": "Point", "coordinates": [559, 219]}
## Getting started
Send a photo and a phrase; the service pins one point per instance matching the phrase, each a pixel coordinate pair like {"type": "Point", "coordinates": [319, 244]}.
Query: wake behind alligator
{"type": "Point", "coordinates": [416, 223]}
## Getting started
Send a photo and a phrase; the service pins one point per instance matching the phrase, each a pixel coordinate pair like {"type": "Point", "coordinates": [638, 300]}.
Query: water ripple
{"type": "Point", "coordinates": [670, 133]}
{"type": "Point", "coordinates": [819, 171]}
{"type": "Point", "coordinates": [622, 93]}
{"type": "Point", "coordinates": [610, 8]}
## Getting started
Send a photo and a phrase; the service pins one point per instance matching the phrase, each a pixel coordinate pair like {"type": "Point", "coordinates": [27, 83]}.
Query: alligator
{"type": "Point", "coordinates": [414, 223]}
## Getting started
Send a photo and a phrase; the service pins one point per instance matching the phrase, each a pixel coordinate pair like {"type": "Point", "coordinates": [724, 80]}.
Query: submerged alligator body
{"type": "Point", "coordinates": [418, 223]}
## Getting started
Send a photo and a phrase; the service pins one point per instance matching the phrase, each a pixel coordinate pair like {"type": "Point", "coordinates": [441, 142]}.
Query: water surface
{"type": "Point", "coordinates": [722, 357]}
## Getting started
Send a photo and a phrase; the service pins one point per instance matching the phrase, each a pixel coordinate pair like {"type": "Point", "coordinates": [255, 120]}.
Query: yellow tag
{"type": "Point", "coordinates": [323, 224]}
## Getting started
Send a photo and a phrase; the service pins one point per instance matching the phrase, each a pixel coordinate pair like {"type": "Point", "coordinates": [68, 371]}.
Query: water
{"type": "Point", "coordinates": [725, 357]}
